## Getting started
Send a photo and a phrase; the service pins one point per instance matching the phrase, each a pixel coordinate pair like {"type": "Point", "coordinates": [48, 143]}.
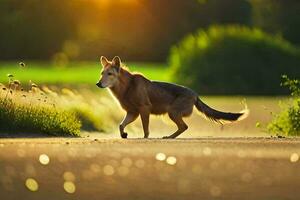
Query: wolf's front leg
{"type": "Point", "coordinates": [130, 117]}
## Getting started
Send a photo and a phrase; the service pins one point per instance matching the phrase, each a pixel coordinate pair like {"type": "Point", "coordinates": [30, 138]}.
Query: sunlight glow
{"type": "Point", "coordinates": [108, 3]}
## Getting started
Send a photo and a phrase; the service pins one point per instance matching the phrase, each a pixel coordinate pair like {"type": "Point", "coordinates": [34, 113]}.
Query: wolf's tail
{"type": "Point", "coordinates": [218, 116]}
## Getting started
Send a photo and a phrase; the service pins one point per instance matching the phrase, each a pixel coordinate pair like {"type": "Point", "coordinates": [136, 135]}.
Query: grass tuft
{"type": "Point", "coordinates": [32, 112]}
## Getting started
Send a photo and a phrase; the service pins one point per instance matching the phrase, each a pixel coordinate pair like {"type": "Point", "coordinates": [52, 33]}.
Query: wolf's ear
{"type": "Point", "coordinates": [116, 61]}
{"type": "Point", "coordinates": [103, 61]}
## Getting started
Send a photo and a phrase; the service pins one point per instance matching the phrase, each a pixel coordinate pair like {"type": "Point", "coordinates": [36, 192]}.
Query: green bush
{"type": "Point", "coordinates": [233, 60]}
{"type": "Point", "coordinates": [288, 121]}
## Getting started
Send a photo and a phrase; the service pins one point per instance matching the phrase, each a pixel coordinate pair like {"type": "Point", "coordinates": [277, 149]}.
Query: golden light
{"type": "Point", "coordinates": [31, 184]}
{"type": "Point", "coordinates": [171, 160]}
{"type": "Point", "coordinates": [207, 151]}
{"type": "Point", "coordinates": [215, 191]}
{"type": "Point", "coordinates": [69, 187]}
{"type": "Point", "coordinates": [69, 176]}
{"type": "Point", "coordinates": [95, 168]}
{"type": "Point", "coordinates": [108, 170]}
{"type": "Point", "coordinates": [108, 3]}
{"type": "Point", "coordinates": [44, 159]}
{"type": "Point", "coordinates": [123, 171]}
{"type": "Point", "coordinates": [127, 162]}
{"type": "Point", "coordinates": [294, 157]}
{"type": "Point", "coordinates": [140, 163]}
{"type": "Point", "coordinates": [160, 156]}
{"type": "Point", "coordinates": [132, 2]}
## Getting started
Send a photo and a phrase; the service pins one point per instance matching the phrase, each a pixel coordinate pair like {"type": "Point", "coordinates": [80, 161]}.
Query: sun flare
{"type": "Point", "coordinates": [107, 3]}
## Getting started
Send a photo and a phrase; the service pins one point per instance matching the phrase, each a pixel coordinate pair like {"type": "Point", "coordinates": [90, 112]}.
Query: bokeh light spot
{"type": "Point", "coordinates": [126, 162]}
{"type": "Point", "coordinates": [69, 176]}
{"type": "Point", "coordinates": [108, 170]}
{"type": "Point", "coordinates": [171, 160]}
{"type": "Point", "coordinates": [44, 159]}
{"type": "Point", "coordinates": [160, 156]}
{"type": "Point", "coordinates": [69, 187]}
{"type": "Point", "coordinates": [207, 151]}
{"type": "Point", "coordinates": [294, 157]}
{"type": "Point", "coordinates": [31, 184]}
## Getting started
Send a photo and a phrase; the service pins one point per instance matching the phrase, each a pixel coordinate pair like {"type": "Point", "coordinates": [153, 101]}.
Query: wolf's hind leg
{"type": "Point", "coordinates": [145, 114]}
{"type": "Point", "coordinates": [181, 107]}
{"type": "Point", "coordinates": [180, 124]}
{"type": "Point", "coordinates": [130, 117]}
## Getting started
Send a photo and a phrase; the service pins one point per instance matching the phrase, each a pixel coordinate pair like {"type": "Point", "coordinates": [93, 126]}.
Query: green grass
{"type": "Point", "coordinates": [74, 73]}
{"type": "Point", "coordinates": [30, 112]}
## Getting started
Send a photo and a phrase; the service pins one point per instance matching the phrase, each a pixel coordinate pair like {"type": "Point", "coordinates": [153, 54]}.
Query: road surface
{"type": "Point", "coordinates": [99, 169]}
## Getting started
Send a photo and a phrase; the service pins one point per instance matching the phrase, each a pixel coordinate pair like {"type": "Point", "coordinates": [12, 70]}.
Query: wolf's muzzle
{"type": "Point", "coordinates": [99, 85]}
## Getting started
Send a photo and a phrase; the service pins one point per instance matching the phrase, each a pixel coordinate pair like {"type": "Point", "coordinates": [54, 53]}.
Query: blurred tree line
{"type": "Point", "coordinates": [134, 29]}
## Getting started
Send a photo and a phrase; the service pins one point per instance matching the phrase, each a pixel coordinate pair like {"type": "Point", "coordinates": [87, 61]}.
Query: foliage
{"type": "Point", "coordinates": [233, 60]}
{"type": "Point", "coordinates": [292, 84]}
{"type": "Point", "coordinates": [32, 112]}
{"type": "Point", "coordinates": [278, 17]}
{"type": "Point", "coordinates": [213, 12]}
{"type": "Point", "coordinates": [288, 121]}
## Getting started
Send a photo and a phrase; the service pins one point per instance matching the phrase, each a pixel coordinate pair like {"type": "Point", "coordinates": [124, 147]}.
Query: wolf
{"type": "Point", "coordinates": [140, 96]}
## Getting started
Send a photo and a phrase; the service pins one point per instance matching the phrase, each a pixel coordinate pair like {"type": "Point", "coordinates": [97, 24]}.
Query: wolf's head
{"type": "Point", "coordinates": [110, 72]}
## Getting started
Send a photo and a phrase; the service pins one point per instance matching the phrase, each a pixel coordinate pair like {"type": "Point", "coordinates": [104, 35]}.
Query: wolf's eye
{"type": "Point", "coordinates": [109, 73]}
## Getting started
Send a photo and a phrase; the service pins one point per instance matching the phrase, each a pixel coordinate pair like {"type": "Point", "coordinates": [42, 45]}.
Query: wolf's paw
{"type": "Point", "coordinates": [168, 137]}
{"type": "Point", "coordinates": [124, 135]}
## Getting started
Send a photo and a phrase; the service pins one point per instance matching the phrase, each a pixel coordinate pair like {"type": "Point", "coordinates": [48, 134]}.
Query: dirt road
{"type": "Point", "coordinates": [205, 168]}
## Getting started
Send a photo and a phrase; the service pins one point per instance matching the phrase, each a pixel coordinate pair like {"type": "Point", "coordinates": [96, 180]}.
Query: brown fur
{"type": "Point", "coordinates": [140, 96]}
